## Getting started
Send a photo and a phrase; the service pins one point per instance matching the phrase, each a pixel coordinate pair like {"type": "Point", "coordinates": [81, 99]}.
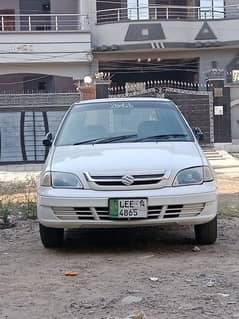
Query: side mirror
{"type": "Point", "coordinates": [48, 140]}
{"type": "Point", "coordinates": [198, 133]}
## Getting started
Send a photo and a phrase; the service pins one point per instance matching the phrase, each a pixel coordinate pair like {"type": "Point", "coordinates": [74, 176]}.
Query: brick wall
{"type": "Point", "coordinates": [53, 100]}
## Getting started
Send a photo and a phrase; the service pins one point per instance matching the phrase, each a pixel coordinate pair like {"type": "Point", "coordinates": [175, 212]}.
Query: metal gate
{"type": "Point", "coordinates": [24, 121]}
{"type": "Point", "coordinates": [26, 118]}
{"type": "Point", "coordinates": [196, 103]}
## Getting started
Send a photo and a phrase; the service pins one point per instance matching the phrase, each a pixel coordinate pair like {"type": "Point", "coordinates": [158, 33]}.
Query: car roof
{"type": "Point", "coordinates": [124, 99]}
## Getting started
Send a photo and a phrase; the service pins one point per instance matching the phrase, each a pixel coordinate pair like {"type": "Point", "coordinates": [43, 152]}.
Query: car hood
{"type": "Point", "coordinates": [125, 158]}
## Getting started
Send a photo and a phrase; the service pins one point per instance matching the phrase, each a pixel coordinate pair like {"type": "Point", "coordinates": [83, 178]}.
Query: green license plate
{"type": "Point", "coordinates": [128, 208]}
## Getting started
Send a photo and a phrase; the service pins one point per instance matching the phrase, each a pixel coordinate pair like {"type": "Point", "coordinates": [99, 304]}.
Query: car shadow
{"type": "Point", "coordinates": [128, 240]}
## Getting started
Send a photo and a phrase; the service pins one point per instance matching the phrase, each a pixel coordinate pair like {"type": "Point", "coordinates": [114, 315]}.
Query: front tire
{"type": "Point", "coordinates": [51, 237]}
{"type": "Point", "coordinates": [206, 234]}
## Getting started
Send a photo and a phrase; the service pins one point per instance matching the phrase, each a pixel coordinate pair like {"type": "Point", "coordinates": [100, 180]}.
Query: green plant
{"type": "Point", "coordinates": [30, 197]}
{"type": "Point", "coordinates": [18, 198]}
{"type": "Point", "coordinates": [5, 210]}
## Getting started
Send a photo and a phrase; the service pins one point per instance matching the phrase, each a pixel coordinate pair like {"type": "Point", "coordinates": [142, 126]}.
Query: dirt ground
{"type": "Point", "coordinates": [121, 273]}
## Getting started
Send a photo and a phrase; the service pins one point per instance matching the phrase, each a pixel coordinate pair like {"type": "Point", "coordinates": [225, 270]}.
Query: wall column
{"type": "Point", "coordinates": [102, 89]}
{"type": "Point", "coordinates": [221, 107]}
{"type": "Point", "coordinates": [83, 9]}
{"type": "Point", "coordinates": [88, 92]}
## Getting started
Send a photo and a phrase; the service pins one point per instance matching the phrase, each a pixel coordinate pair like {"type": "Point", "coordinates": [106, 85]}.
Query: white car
{"type": "Point", "coordinates": [128, 162]}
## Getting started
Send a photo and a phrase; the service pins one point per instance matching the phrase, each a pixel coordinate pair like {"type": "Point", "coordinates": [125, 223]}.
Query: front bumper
{"type": "Point", "coordinates": [84, 208]}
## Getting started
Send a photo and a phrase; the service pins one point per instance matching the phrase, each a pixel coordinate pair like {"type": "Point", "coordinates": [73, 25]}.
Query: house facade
{"type": "Point", "coordinates": [44, 45]}
{"type": "Point", "coordinates": [49, 46]}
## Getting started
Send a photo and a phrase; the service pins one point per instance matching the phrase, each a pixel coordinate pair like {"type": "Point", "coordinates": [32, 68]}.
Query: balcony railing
{"type": "Point", "coordinates": [44, 22]}
{"type": "Point", "coordinates": [167, 13]}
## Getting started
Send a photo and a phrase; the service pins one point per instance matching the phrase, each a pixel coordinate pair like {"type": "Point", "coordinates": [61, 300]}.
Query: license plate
{"type": "Point", "coordinates": [128, 208]}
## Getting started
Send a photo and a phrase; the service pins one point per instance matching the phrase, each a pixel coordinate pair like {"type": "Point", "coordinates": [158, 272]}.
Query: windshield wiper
{"type": "Point", "coordinates": [116, 138]}
{"type": "Point", "coordinates": [92, 141]}
{"type": "Point", "coordinates": [106, 140]}
{"type": "Point", "coordinates": [159, 137]}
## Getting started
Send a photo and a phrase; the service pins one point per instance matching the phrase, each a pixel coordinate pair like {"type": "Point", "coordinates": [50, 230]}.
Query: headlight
{"type": "Point", "coordinates": [45, 180]}
{"type": "Point", "coordinates": [193, 176]}
{"type": "Point", "coordinates": [61, 180]}
{"type": "Point", "coordinates": [208, 175]}
{"type": "Point", "coordinates": [65, 180]}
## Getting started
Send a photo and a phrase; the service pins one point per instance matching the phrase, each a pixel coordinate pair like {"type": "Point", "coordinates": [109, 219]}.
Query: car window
{"type": "Point", "coordinates": [127, 121]}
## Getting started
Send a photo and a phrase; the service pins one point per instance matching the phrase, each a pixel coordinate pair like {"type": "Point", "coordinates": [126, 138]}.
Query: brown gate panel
{"type": "Point", "coordinates": [196, 105]}
{"type": "Point", "coordinates": [196, 109]}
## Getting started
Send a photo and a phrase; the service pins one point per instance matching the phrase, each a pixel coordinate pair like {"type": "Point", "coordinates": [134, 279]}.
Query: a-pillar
{"type": "Point", "coordinates": [221, 107]}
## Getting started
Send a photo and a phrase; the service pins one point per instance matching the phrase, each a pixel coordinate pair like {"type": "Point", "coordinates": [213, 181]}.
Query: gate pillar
{"type": "Point", "coordinates": [221, 106]}
{"type": "Point", "coordinates": [99, 89]}
{"type": "Point", "coordinates": [102, 89]}
{"type": "Point", "coordinates": [88, 92]}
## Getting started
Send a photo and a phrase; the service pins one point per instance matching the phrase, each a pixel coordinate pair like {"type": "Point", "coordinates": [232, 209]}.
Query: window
{"type": "Point", "coordinates": [138, 9]}
{"type": "Point", "coordinates": [212, 9]}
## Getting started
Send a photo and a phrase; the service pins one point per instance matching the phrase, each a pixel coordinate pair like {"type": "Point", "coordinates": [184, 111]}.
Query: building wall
{"type": "Point", "coordinates": [233, 12]}
{"type": "Point", "coordinates": [222, 58]}
{"type": "Point", "coordinates": [33, 7]}
{"type": "Point", "coordinates": [69, 6]}
{"type": "Point", "coordinates": [10, 4]}
{"type": "Point", "coordinates": [11, 83]}
{"type": "Point", "coordinates": [63, 84]}
{"type": "Point", "coordinates": [231, 2]}
{"type": "Point", "coordinates": [235, 112]}
{"type": "Point", "coordinates": [38, 53]}
{"type": "Point", "coordinates": [172, 32]}
{"type": "Point", "coordinates": [25, 83]}
{"type": "Point", "coordinates": [76, 71]}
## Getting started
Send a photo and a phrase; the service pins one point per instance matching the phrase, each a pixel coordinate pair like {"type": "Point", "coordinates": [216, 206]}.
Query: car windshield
{"type": "Point", "coordinates": [123, 121]}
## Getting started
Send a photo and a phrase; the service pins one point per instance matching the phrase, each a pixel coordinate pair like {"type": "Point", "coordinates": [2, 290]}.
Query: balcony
{"type": "Point", "coordinates": [43, 22]}
{"type": "Point", "coordinates": [164, 28]}
{"type": "Point", "coordinates": [160, 12]}
{"type": "Point", "coordinates": [46, 38]}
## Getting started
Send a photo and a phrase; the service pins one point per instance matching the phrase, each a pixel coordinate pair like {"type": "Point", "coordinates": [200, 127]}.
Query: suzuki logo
{"type": "Point", "coordinates": [127, 180]}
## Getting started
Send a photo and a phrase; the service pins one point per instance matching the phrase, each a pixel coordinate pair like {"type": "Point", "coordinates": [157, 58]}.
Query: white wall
{"type": "Point", "coordinates": [51, 47]}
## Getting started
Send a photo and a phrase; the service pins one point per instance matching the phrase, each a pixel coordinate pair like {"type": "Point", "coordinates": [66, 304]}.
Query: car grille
{"type": "Point", "coordinates": [187, 210]}
{"type": "Point", "coordinates": [117, 181]}
{"type": "Point", "coordinates": [102, 213]}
